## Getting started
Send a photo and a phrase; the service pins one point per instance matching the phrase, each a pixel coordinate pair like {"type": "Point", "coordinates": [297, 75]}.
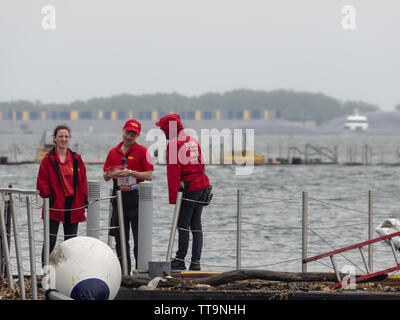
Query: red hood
{"type": "Point", "coordinates": [170, 120]}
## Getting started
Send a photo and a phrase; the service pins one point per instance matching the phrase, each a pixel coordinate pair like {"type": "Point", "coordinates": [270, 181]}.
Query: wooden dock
{"type": "Point", "coordinates": [257, 285]}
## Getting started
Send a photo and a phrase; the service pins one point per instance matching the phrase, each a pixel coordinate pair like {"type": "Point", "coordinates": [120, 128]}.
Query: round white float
{"type": "Point", "coordinates": [85, 268]}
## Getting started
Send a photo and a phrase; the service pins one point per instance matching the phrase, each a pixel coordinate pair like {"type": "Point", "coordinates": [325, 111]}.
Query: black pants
{"type": "Point", "coordinates": [190, 219]}
{"type": "Point", "coordinates": [70, 229]}
{"type": "Point", "coordinates": [131, 222]}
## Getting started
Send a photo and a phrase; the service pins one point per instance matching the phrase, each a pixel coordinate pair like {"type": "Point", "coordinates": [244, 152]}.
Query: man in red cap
{"type": "Point", "coordinates": [185, 171]}
{"type": "Point", "coordinates": [128, 164]}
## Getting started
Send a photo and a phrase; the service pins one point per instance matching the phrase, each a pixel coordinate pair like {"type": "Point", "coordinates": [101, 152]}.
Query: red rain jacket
{"type": "Point", "coordinates": [183, 155]}
{"type": "Point", "coordinates": [50, 184]}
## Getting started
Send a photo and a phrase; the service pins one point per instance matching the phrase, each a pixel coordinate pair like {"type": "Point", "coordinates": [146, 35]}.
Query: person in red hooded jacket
{"type": "Point", "coordinates": [62, 179]}
{"type": "Point", "coordinates": [185, 171]}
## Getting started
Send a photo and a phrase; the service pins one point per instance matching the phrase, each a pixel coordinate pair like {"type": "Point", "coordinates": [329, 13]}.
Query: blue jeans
{"type": "Point", "coordinates": [190, 218]}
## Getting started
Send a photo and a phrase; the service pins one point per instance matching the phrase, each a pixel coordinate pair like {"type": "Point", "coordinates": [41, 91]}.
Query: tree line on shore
{"type": "Point", "coordinates": [291, 105]}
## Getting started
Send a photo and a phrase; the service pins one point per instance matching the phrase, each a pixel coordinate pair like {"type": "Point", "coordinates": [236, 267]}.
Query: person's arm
{"type": "Point", "coordinates": [43, 179]}
{"type": "Point", "coordinates": [145, 175]}
{"type": "Point", "coordinates": [106, 176]}
{"type": "Point", "coordinates": [84, 180]}
{"type": "Point", "coordinates": [173, 172]}
{"type": "Point", "coordinates": [173, 177]}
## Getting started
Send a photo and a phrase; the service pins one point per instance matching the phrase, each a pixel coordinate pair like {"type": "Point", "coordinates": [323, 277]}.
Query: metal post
{"type": "Point", "coordinates": [6, 251]}
{"type": "Point", "coordinates": [1, 258]}
{"type": "Point", "coordinates": [304, 231]}
{"type": "Point", "coordinates": [110, 208]}
{"type": "Point", "coordinates": [370, 230]}
{"type": "Point", "coordinates": [93, 210]}
{"type": "Point", "coordinates": [17, 248]}
{"type": "Point", "coordinates": [31, 248]}
{"type": "Point", "coordinates": [239, 230]}
{"type": "Point", "coordinates": [364, 261]}
{"type": "Point", "coordinates": [46, 231]}
{"type": "Point", "coordinates": [145, 225]}
{"type": "Point", "coordinates": [2, 265]}
{"type": "Point", "coordinates": [174, 224]}
{"type": "Point", "coordinates": [7, 222]}
{"type": "Point", "coordinates": [8, 219]}
{"type": "Point", "coordinates": [335, 268]}
{"type": "Point", "coordinates": [125, 270]}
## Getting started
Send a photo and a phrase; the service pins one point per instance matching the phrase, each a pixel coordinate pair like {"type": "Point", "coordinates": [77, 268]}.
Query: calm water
{"type": "Point", "coordinates": [272, 201]}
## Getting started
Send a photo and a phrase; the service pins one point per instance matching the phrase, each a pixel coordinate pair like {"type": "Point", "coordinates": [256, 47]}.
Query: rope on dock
{"type": "Point", "coordinates": [243, 204]}
{"type": "Point", "coordinates": [338, 206]}
{"type": "Point", "coordinates": [37, 206]}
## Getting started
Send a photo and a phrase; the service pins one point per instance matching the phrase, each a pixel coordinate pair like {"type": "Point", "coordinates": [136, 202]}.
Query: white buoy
{"type": "Point", "coordinates": [85, 268]}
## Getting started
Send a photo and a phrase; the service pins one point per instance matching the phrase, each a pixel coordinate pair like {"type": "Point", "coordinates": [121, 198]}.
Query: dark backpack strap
{"type": "Point", "coordinates": [75, 165]}
{"type": "Point", "coordinates": [76, 175]}
{"type": "Point", "coordinates": [188, 174]}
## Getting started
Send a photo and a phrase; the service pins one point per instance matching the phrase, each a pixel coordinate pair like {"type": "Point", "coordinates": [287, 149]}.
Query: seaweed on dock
{"type": "Point", "coordinates": [14, 294]}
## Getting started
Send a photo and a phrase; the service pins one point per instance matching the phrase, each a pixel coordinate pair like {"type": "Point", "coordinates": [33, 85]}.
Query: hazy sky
{"type": "Point", "coordinates": [101, 48]}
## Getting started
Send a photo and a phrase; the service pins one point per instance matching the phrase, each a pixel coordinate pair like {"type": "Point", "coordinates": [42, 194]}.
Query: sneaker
{"type": "Point", "coordinates": [195, 265]}
{"type": "Point", "coordinates": [177, 265]}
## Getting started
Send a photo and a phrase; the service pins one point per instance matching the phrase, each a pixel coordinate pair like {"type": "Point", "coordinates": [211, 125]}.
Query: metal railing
{"type": "Point", "coordinates": [9, 192]}
{"type": "Point", "coordinates": [8, 196]}
{"type": "Point", "coordinates": [308, 231]}
{"type": "Point", "coordinates": [9, 219]}
{"type": "Point", "coordinates": [240, 220]}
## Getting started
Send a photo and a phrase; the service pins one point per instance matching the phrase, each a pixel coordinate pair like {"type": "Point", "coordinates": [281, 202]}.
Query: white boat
{"type": "Point", "coordinates": [356, 122]}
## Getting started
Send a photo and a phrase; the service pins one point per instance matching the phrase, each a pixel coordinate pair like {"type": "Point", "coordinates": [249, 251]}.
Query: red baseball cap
{"type": "Point", "coordinates": [133, 125]}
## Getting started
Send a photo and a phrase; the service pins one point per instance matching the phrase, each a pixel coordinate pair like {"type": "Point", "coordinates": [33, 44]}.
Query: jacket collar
{"type": "Point", "coordinates": [129, 150]}
{"type": "Point", "coordinates": [52, 153]}
{"type": "Point", "coordinates": [75, 161]}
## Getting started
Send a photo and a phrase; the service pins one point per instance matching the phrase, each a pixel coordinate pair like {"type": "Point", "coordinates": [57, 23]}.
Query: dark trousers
{"type": "Point", "coordinates": [131, 221]}
{"type": "Point", "coordinates": [70, 229]}
{"type": "Point", "coordinates": [190, 219]}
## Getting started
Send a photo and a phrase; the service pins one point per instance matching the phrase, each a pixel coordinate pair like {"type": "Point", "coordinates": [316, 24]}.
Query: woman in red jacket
{"type": "Point", "coordinates": [62, 179]}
